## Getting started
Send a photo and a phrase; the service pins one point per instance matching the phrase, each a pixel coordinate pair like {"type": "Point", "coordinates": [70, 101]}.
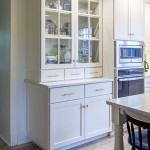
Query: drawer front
{"type": "Point", "coordinates": [93, 72]}
{"type": "Point", "coordinates": [66, 93]}
{"type": "Point", "coordinates": [52, 75]}
{"type": "Point", "coordinates": [71, 74]}
{"type": "Point", "coordinates": [98, 89]}
{"type": "Point", "coordinates": [147, 82]}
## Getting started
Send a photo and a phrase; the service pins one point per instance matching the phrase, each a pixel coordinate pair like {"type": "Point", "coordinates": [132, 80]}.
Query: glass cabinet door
{"type": "Point", "coordinates": [88, 35]}
{"type": "Point", "coordinates": [57, 22]}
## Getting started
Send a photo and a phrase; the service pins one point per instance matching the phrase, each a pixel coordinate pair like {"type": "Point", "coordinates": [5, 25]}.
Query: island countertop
{"type": "Point", "coordinates": [138, 103]}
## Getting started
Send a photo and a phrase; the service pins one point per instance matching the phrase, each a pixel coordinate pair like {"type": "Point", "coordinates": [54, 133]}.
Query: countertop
{"type": "Point", "coordinates": [75, 82]}
{"type": "Point", "coordinates": [138, 103]}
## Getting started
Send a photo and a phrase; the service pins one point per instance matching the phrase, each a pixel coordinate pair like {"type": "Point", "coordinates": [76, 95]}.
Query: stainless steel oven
{"type": "Point", "coordinates": [128, 54]}
{"type": "Point", "coordinates": [129, 81]}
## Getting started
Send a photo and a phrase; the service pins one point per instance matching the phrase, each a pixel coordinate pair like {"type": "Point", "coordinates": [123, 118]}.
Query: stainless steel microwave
{"type": "Point", "coordinates": [128, 54]}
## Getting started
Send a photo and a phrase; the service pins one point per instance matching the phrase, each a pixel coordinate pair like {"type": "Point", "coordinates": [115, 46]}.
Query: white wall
{"type": "Point", "coordinates": [18, 71]}
{"type": "Point", "coordinates": [13, 71]}
{"type": "Point", "coordinates": [5, 69]}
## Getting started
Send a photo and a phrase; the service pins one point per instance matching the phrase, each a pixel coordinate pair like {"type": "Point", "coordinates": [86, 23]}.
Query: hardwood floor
{"type": "Point", "coordinates": [106, 143]}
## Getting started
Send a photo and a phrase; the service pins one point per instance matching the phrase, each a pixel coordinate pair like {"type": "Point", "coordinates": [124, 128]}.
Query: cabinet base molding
{"type": "Point", "coordinates": [84, 142]}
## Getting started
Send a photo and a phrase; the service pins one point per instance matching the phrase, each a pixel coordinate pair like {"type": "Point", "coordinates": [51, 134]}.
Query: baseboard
{"type": "Point", "coordinates": [19, 138]}
{"type": "Point", "coordinates": [23, 138]}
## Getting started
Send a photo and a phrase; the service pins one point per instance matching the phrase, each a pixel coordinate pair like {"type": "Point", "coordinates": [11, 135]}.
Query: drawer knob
{"type": "Point", "coordinates": [99, 90]}
{"type": "Point", "coordinates": [68, 94]}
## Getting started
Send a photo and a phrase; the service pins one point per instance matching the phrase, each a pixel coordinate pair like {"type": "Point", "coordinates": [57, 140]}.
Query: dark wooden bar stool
{"type": "Point", "coordinates": [139, 139]}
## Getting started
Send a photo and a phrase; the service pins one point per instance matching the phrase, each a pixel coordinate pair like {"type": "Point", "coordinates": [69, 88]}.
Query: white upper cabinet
{"type": "Point", "coordinates": [147, 27]}
{"type": "Point", "coordinates": [137, 20]}
{"type": "Point", "coordinates": [121, 19]}
{"type": "Point", "coordinates": [129, 20]}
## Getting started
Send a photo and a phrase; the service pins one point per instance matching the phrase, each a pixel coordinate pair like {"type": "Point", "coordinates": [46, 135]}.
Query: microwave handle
{"type": "Point", "coordinates": [131, 79]}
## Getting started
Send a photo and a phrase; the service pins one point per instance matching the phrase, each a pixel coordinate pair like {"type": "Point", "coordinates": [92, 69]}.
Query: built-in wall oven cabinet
{"type": "Point", "coordinates": [128, 54]}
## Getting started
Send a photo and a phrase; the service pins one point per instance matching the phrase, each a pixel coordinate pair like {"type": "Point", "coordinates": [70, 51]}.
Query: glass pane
{"type": "Point", "coordinates": [65, 24]}
{"type": "Point", "coordinates": [53, 4]}
{"type": "Point", "coordinates": [51, 23]}
{"type": "Point", "coordinates": [83, 6]}
{"type": "Point", "coordinates": [94, 8]}
{"type": "Point", "coordinates": [51, 51]}
{"type": "Point", "coordinates": [94, 51]}
{"type": "Point", "coordinates": [65, 51]}
{"type": "Point", "coordinates": [83, 27]}
{"type": "Point", "coordinates": [65, 5]}
{"type": "Point", "coordinates": [94, 28]}
{"type": "Point", "coordinates": [83, 51]}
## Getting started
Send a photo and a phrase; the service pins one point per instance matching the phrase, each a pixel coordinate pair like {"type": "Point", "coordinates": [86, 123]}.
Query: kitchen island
{"type": "Point", "coordinates": [137, 105]}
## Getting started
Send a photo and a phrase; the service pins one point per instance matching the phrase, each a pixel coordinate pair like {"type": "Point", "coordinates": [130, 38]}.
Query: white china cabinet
{"type": "Point", "coordinates": [129, 20]}
{"type": "Point", "coordinates": [64, 39]}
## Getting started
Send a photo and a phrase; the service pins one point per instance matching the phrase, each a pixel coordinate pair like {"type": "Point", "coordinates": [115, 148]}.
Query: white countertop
{"type": "Point", "coordinates": [75, 82]}
{"type": "Point", "coordinates": [138, 103]}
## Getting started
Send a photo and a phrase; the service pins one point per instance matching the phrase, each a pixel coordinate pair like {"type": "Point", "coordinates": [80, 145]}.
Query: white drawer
{"type": "Point", "coordinates": [98, 89]}
{"type": "Point", "coordinates": [147, 82]}
{"type": "Point", "coordinates": [93, 72]}
{"type": "Point", "coordinates": [71, 74]}
{"type": "Point", "coordinates": [147, 90]}
{"type": "Point", "coordinates": [66, 93]}
{"type": "Point", "coordinates": [52, 75]}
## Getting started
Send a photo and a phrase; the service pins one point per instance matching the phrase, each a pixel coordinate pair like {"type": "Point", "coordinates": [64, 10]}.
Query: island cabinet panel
{"type": "Point", "coordinates": [129, 20]}
{"type": "Point", "coordinates": [66, 116]}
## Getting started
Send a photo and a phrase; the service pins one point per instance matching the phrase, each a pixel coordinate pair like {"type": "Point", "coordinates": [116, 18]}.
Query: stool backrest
{"type": "Point", "coordinates": [131, 123]}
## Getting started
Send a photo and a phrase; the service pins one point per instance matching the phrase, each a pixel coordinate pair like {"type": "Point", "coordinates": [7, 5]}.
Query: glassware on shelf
{"type": "Point", "coordinates": [51, 51]}
{"type": "Point", "coordinates": [83, 6]}
{"type": "Point", "coordinates": [65, 51]}
{"type": "Point", "coordinates": [94, 8]}
{"type": "Point", "coordinates": [65, 5]}
{"type": "Point", "coordinates": [65, 26]}
{"type": "Point", "coordinates": [94, 28]}
{"type": "Point", "coordinates": [83, 51]}
{"type": "Point", "coordinates": [53, 4]}
{"type": "Point", "coordinates": [94, 51]}
{"type": "Point", "coordinates": [51, 21]}
{"type": "Point", "coordinates": [83, 30]}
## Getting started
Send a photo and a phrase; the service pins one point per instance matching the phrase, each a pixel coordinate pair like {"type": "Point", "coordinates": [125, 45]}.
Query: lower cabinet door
{"type": "Point", "coordinates": [97, 116]}
{"type": "Point", "coordinates": [66, 123]}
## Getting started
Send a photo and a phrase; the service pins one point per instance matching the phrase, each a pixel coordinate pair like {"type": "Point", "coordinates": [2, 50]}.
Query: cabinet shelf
{"type": "Point", "coordinates": [51, 36]}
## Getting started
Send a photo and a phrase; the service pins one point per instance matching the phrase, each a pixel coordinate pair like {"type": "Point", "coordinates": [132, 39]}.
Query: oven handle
{"type": "Point", "coordinates": [130, 79]}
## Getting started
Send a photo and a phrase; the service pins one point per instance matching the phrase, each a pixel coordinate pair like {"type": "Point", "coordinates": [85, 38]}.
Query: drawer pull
{"type": "Point", "coordinates": [99, 90]}
{"type": "Point", "coordinates": [94, 72]}
{"type": "Point", "coordinates": [68, 94]}
{"type": "Point", "coordinates": [147, 82]}
{"type": "Point", "coordinates": [53, 76]}
{"type": "Point", "coordinates": [75, 74]}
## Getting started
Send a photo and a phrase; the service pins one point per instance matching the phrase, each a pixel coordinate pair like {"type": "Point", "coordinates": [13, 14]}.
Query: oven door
{"type": "Point", "coordinates": [130, 86]}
